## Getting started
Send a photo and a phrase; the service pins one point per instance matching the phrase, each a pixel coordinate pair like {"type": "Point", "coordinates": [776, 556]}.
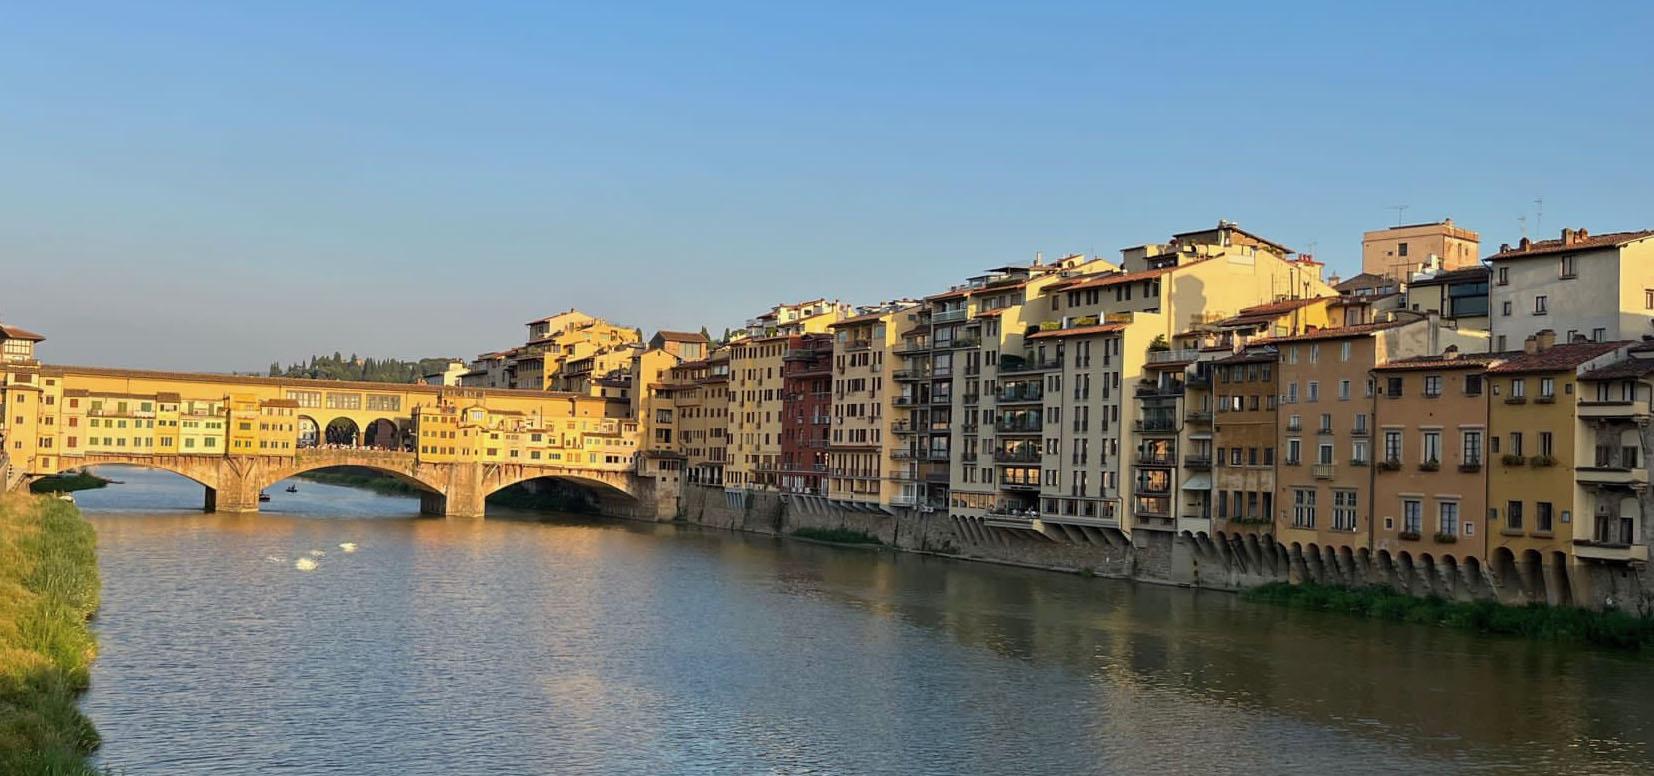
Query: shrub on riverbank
{"type": "Point", "coordinates": [836, 535]}
{"type": "Point", "coordinates": [366, 479]}
{"type": "Point", "coordinates": [67, 483]}
{"type": "Point", "coordinates": [1615, 630]}
{"type": "Point", "coordinates": [48, 590]}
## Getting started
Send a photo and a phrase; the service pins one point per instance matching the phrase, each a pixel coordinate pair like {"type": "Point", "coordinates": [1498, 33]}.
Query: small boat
{"type": "Point", "coordinates": [293, 488]}
{"type": "Point", "coordinates": [263, 497]}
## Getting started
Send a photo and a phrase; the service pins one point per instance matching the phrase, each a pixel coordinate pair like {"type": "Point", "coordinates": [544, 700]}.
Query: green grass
{"type": "Point", "coordinates": [48, 589]}
{"type": "Point", "coordinates": [836, 535]}
{"type": "Point", "coordinates": [67, 483]}
{"type": "Point", "coordinates": [366, 479]}
{"type": "Point", "coordinates": [1609, 629]}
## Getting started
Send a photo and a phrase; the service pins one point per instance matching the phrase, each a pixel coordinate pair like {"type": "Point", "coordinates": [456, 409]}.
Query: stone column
{"type": "Point", "coordinates": [465, 496]}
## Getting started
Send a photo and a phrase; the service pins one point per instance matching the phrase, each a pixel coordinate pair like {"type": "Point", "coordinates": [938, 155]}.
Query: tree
{"type": "Point", "coordinates": [706, 334]}
{"type": "Point", "coordinates": [275, 369]}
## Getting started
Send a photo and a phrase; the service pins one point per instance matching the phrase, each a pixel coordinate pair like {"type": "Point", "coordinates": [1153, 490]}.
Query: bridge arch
{"type": "Point", "coordinates": [310, 432]}
{"type": "Point", "coordinates": [342, 431]}
{"type": "Point", "coordinates": [382, 434]}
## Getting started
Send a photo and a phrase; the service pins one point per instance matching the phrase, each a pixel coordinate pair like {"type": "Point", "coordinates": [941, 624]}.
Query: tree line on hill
{"type": "Point", "coordinates": [373, 370]}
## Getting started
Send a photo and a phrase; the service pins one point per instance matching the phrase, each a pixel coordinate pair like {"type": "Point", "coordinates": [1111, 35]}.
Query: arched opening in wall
{"type": "Point", "coordinates": [561, 494]}
{"type": "Point", "coordinates": [1559, 572]}
{"type": "Point", "coordinates": [1450, 575]}
{"type": "Point", "coordinates": [357, 491]}
{"type": "Point", "coordinates": [1405, 570]}
{"type": "Point", "coordinates": [310, 434]}
{"type": "Point", "coordinates": [381, 435]}
{"type": "Point", "coordinates": [1505, 574]}
{"type": "Point", "coordinates": [1386, 568]}
{"type": "Point", "coordinates": [1532, 567]}
{"type": "Point", "coordinates": [128, 488]}
{"type": "Point", "coordinates": [1472, 575]}
{"type": "Point", "coordinates": [342, 432]}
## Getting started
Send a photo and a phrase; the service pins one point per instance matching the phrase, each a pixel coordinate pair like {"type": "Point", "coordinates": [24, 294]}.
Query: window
{"type": "Point", "coordinates": [1542, 516]}
{"type": "Point", "coordinates": [1648, 299]}
{"type": "Point", "coordinates": [1392, 446]}
{"type": "Point", "coordinates": [1473, 448]}
{"type": "Point", "coordinates": [1565, 268]}
{"type": "Point", "coordinates": [1599, 334]}
{"type": "Point", "coordinates": [1358, 452]}
{"type": "Point", "coordinates": [1504, 309]}
{"type": "Point", "coordinates": [1401, 249]}
{"type": "Point", "coordinates": [1513, 515]}
{"type": "Point", "coordinates": [1504, 276]}
{"type": "Point", "coordinates": [1518, 388]}
{"type": "Point", "coordinates": [1412, 516]}
{"type": "Point", "coordinates": [1547, 388]}
{"type": "Point", "coordinates": [1448, 521]}
{"type": "Point", "coordinates": [1545, 443]}
{"type": "Point", "coordinates": [1343, 390]}
{"type": "Point", "coordinates": [1540, 304]}
{"type": "Point", "coordinates": [1343, 510]}
{"type": "Point", "coordinates": [1344, 351]}
{"type": "Point", "coordinates": [1392, 387]}
{"type": "Point", "coordinates": [1432, 447]}
{"type": "Point", "coordinates": [1314, 392]}
{"type": "Point", "coordinates": [1303, 507]}
{"type": "Point", "coordinates": [1473, 385]}
{"type": "Point", "coordinates": [1432, 385]}
{"type": "Point", "coordinates": [1515, 443]}
{"type": "Point", "coordinates": [1293, 449]}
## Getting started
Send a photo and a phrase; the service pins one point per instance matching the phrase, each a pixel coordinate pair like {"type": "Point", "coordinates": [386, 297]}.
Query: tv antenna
{"type": "Point", "coordinates": [1523, 220]}
{"type": "Point", "coordinates": [1400, 209]}
{"type": "Point", "coordinates": [1539, 214]}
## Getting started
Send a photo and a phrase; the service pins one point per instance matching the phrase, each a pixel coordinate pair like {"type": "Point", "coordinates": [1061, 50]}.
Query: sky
{"type": "Point", "coordinates": [214, 186]}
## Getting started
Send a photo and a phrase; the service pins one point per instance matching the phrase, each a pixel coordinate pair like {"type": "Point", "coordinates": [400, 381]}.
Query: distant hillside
{"type": "Point", "coordinates": [375, 370]}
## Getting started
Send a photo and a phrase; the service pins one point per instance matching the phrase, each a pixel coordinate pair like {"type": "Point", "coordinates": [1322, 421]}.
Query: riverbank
{"type": "Point", "coordinates": [68, 483]}
{"type": "Point", "coordinates": [1609, 629]}
{"type": "Point", "coordinates": [49, 589]}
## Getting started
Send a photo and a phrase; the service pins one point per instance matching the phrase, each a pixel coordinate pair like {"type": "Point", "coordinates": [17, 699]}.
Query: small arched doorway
{"type": "Point", "coordinates": [343, 431]}
{"type": "Point", "coordinates": [310, 434]}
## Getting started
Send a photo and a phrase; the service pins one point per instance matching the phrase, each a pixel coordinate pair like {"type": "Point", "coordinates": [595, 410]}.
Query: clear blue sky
{"type": "Point", "coordinates": [216, 185]}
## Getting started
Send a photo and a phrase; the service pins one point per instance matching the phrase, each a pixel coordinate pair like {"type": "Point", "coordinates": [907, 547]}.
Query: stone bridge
{"type": "Point", "coordinates": [459, 489]}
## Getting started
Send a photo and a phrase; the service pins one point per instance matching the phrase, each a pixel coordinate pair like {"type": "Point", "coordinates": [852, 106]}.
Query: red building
{"type": "Point", "coordinates": [807, 409]}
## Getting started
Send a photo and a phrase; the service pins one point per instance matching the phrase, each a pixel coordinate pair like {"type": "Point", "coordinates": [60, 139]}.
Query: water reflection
{"type": "Point", "coordinates": [515, 646]}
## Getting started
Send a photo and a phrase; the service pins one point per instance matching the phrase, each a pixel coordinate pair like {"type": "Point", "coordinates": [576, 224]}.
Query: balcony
{"type": "Point", "coordinates": [1154, 426]}
{"type": "Point", "coordinates": [905, 454]}
{"type": "Point", "coordinates": [1198, 416]}
{"type": "Point", "coordinates": [965, 428]}
{"type": "Point", "coordinates": [905, 401]}
{"type": "Point", "coordinates": [1008, 484]}
{"type": "Point", "coordinates": [1613, 410]}
{"type": "Point", "coordinates": [1173, 356]}
{"type": "Point", "coordinates": [858, 345]}
{"type": "Point", "coordinates": [943, 399]}
{"type": "Point", "coordinates": [962, 343]}
{"type": "Point", "coordinates": [1030, 395]}
{"type": "Point", "coordinates": [948, 316]}
{"type": "Point", "coordinates": [1295, 425]}
{"type": "Point", "coordinates": [902, 428]}
{"type": "Point", "coordinates": [912, 347]}
{"type": "Point", "coordinates": [1010, 365]}
{"type": "Point", "coordinates": [1323, 471]}
{"type": "Point", "coordinates": [973, 398]}
{"type": "Point", "coordinates": [1024, 455]}
{"type": "Point", "coordinates": [1197, 462]}
{"type": "Point", "coordinates": [1610, 475]}
{"type": "Point", "coordinates": [1360, 432]}
{"type": "Point", "coordinates": [1199, 380]}
{"type": "Point", "coordinates": [936, 456]}
{"type": "Point", "coordinates": [910, 375]}
{"type": "Point", "coordinates": [904, 476]}
{"type": "Point", "coordinates": [1612, 552]}
{"type": "Point", "coordinates": [1019, 426]}
{"type": "Point", "coordinates": [1168, 388]}
{"type": "Point", "coordinates": [1516, 400]}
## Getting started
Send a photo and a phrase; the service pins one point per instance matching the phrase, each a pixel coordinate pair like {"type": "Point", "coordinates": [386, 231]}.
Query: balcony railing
{"type": "Point", "coordinates": [1173, 356]}
{"type": "Point", "coordinates": [1009, 365]}
{"type": "Point", "coordinates": [973, 398]}
{"type": "Point", "coordinates": [1019, 426]}
{"type": "Point", "coordinates": [905, 401]}
{"type": "Point", "coordinates": [1197, 462]}
{"type": "Point", "coordinates": [1169, 388]}
{"type": "Point", "coordinates": [1154, 426]}
{"type": "Point", "coordinates": [963, 342]}
{"type": "Point", "coordinates": [911, 374]}
{"type": "Point", "coordinates": [1199, 416]}
{"type": "Point", "coordinates": [912, 347]}
{"type": "Point", "coordinates": [858, 345]}
{"type": "Point", "coordinates": [1026, 455]}
{"type": "Point", "coordinates": [948, 316]}
{"type": "Point", "coordinates": [1323, 471]}
{"type": "Point", "coordinates": [1020, 396]}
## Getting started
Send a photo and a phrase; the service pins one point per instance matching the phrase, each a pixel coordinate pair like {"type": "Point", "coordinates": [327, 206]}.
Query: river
{"type": "Point", "coordinates": [573, 645]}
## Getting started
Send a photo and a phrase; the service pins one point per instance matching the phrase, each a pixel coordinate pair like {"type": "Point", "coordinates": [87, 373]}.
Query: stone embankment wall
{"type": "Point", "coordinates": [1225, 562]}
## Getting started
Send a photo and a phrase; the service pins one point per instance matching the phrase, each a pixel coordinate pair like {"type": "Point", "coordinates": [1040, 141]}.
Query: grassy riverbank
{"type": "Point", "coordinates": [1614, 630]}
{"type": "Point", "coordinates": [68, 483]}
{"type": "Point", "coordinates": [836, 535]}
{"type": "Point", "coordinates": [48, 589]}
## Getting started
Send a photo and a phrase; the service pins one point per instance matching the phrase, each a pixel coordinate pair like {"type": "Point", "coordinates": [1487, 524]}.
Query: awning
{"type": "Point", "coordinates": [1198, 481]}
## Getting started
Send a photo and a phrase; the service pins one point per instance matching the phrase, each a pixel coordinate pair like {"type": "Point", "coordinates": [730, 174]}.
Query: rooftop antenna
{"type": "Point", "coordinates": [1539, 214]}
{"type": "Point", "coordinates": [1524, 221]}
{"type": "Point", "coordinates": [1400, 210]}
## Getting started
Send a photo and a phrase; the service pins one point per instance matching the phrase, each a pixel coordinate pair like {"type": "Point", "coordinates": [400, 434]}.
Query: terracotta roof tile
{"type": "Point", "coordinates": [1460, 361]}
{"type": "Point", "coordinates": [1590, 242]}
{"type": "Point", "coordinates": [1619, 370]}
{"type": "Point", "coordinates": [1112, 279]}
{"type": "Point", "coordinates": [681, 336]}
{"type": "Point", "coordinates": [13, 332]}
{"type": "Point", "coordinates": [1105, 328]}
{"type": "Point", "coordinates": [1555, 358]}
{"type": "Point", "coordinates": [1358, 330]}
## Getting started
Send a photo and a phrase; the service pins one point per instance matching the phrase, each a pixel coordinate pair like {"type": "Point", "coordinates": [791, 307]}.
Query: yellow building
{"type": "Point", "coordinates": [1535, 497]}
{"type": "Point", "coordinates": [862, 451]}
{"type": "Point", "coordinates": [756, 388]}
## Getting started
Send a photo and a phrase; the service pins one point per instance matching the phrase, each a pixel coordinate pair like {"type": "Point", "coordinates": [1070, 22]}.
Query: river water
{"type": "Point", "coordinates": [573, 645]}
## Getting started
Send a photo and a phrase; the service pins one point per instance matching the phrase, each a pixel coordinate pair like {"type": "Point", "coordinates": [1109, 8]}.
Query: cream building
{"type": "Point", "coordinates": [756, 389]}
{"type": "Point", "coordinates": [1596, 287]}
{"type": "Point", "coordinates": [862, 450]}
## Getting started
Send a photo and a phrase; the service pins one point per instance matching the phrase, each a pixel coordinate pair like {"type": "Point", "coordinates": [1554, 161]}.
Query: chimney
{"type": "Point", "coordinates": [1580, 234]}
{"type": "Point", "coordinates": [1545, 339]}
{"type": "Point", "coordinates": [1504, 247]}
{"type": "Point", "coordinates": [1530, 346]}
{"type": "Point", "coordinates": [1567, 236]}
{"type": "Point", "coordinates": [1451, 353]}
{"type": "Point", "coordinates": [1523, 245]}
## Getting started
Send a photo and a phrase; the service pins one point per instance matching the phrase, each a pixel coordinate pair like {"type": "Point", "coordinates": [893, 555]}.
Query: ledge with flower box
{"type": "Point", "coordinates": [1512, 459]}
{"type": "Point", "coordinates": [1541, 460]}
{"type": "Point", "coordinates": [1389, 465]}
{"type": "Point", "coordinates": [1431, 465]}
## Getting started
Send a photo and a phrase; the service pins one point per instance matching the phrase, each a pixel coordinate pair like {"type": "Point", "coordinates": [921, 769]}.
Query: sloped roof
{"type": "Point", "coordinates": [7, 331]}
{"type": "Point", "coordinates": [1105, 328]}
{"type": "Point", "coordinates": [1589, 242]}
{"type": "Point", "coordinates": [1620, 370]}
{"type": "Point", "coordinates": [1442, 361]}
{"type": "Point", "coordinates": [1112, 279]}
{"type": "Point", "coordinates": [1358, 330]}
{"type": "Point", "coordinates": [681, 336]}
{"type": "Point", "coordinates": [1555, 358]}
